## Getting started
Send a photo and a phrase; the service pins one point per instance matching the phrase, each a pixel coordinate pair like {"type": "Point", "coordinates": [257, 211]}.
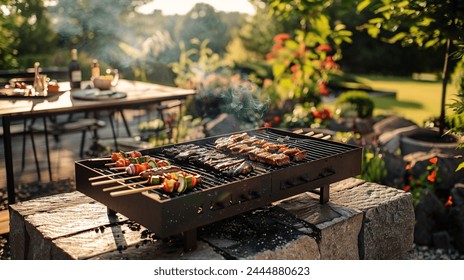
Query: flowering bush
{"type": "Point", "coordinates": [300, 68]}
{"type": "Point", "coordinates": [306, 115]}
{"type": "Point", "coordinates": [426, 180]}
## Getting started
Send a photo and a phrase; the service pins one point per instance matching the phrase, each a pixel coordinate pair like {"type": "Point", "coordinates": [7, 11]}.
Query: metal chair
{"type": "Point", "coordinates": [57, 129]}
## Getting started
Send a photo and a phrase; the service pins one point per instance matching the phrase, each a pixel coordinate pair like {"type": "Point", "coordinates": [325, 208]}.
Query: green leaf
{"type": "Point", "coordinates": [376, 20]}
{"type": "Point", "coordinates": [374, 32]}
{"type": "Point", "coordinates": [292, 45]}
{"type": "Point", "coordinates": [397, 37]}
{"type": "Point", "coordinates": [403, 4]}
{"type": "Point", "coordinates": [431, 43]}
{"type": "Point", "coordinates": [460, 166]}
{"type": "Point", "coordinates": [278, 69]}
{"type": "Point", "coordinates": [362, 5]}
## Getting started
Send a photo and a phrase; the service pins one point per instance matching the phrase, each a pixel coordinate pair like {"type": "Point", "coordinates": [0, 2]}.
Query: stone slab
{"type": "Point", "coordinates": [338, 226]}
{"type": "Point", "coordinates": [388, 222]}
{"type": "Point", "coordinates": [267, 233]}
{"type": "Point", "coordinates": [361, 221]}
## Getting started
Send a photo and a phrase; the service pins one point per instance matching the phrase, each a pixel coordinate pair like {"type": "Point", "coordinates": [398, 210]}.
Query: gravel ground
{"type": "Point", "coordinates": [36, 190]}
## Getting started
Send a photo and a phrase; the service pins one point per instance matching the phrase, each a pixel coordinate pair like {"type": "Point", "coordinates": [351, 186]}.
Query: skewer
{"type": "Point", "coordinates": [105, 176]}
{"type": "Point", "coordinates": [110, 164]}
{"type": "Point", "coordinates": [137, 190]}
{"type": "Point", "coordinates": [118, 168]}
{"type": "Point", "coordinates": [99, 159]}
{"type": "Point", "coordinates": [318, 135]}
{"type": "Point", "coordinates": [309, 133]}
{"type": "Point", "coordinates": [124, 186]}
{"type": "Point", "coordinates": [298, 131]}
{"type": "Point", "coordinates": [327, 137]}
{"type": "Point", "coordinates": [114, 180]}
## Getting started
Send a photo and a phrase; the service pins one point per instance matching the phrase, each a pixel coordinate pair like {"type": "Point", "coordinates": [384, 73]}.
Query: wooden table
{"type": "Point", "coordinates": [138, 94]}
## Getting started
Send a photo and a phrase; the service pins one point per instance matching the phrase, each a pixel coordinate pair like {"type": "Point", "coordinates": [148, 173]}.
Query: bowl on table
{"type": "Point", "coordinates": [107, 81]}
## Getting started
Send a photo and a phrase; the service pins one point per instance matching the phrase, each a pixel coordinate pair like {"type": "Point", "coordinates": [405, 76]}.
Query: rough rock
{"type": "Point", "coordinates": [339, 226]}
{"type": "Point", "coordinates": [429, 214]}
{"type": "Point", "coordinates": [391, 123]}
{"type": "Point", "coordinates": [388, 223]}
{"type": "Point", "coordinates": [223, 124]}
{"type": "Point", "coordinates": [457, 217]}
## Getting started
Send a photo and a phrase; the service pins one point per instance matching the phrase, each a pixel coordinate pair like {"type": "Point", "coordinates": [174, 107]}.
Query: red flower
{"type": "Point", "coordinates": [323, 89]}
{"type": "Point", "coordinates": [267, 125]}
{"type": "Point", "coordinates": [449, 202]}
{"type": "Point", "coordinates": [316, 114]}
{"type": "Point", "coordinates": [279, 38]}
{"type": "Point", "coordinates": [276, 120]}
{"type": "Point", "coordinates": [407, 188]}
{"type": "Point", "coordinates": [327, 113]}
{"type": "Point", "coordinates": [408, 166]}
{"type": "Point", "coordinates": [295, 68]}
{"type": "Point", "coordinates": [324, 48]}
{"type": "Point", "coordinates": [329, 63]}
{"type": "Point", "coordinates": [269, 56]}
{"type": "Point", "coordinates": [433, 160]}
{"type": "Point", "coordinates": [432, 176]}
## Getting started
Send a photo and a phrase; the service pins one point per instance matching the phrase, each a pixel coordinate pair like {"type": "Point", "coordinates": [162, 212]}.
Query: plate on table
{"type": "Point", "coordinates": [96, 94]}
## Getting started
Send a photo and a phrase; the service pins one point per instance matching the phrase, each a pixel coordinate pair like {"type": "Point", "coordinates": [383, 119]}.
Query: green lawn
{"type": "Point", "coordinates": [415, 100]}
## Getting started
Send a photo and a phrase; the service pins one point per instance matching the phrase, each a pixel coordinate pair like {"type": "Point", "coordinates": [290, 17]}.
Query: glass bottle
{"type": "Point", "coordinates": [38, 84]}
{"type": "Point", "coordinates": [95, 69]}
{"type": "Point", "coordinates": [75, 73]}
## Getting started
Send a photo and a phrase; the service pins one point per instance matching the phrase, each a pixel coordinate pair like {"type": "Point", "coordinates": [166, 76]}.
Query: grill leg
{"type": "Point", "coordinates": [190, 240]}
{"type": "Point", "coordinates": [110, 212]}
{"type": "Point", "coordinates": [324, 194]}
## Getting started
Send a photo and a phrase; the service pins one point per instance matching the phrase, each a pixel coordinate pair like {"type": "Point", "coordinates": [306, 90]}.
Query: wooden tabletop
{"type": "Point", "coordinates": [137, 93]}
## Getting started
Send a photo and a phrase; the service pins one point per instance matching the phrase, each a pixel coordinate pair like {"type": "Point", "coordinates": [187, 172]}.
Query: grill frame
{"type": "Point", "coordinates": [187, 212]}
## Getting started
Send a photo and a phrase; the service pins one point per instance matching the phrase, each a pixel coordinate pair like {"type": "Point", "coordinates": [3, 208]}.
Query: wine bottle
{"type": "Point", "coordinates": [75, 73]}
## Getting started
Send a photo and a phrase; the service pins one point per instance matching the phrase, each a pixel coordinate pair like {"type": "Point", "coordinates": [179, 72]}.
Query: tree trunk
{"type": "Point", "coordinates": [445, 77]}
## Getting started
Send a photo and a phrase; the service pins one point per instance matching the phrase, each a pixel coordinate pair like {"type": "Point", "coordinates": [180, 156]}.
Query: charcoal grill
{"type": "Point", "coordinates": [220, 197]}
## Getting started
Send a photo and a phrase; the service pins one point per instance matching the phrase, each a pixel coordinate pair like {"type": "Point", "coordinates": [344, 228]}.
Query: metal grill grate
{"type": "Point", "coordinates": [220, 197]}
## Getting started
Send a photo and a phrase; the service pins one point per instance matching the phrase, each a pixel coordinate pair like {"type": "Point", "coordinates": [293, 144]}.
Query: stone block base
{"type": "Point", "coordinates": [361, 221]}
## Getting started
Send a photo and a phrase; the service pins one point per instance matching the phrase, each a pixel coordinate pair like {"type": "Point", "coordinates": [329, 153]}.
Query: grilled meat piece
{"type": "Point", "coordinates": [294, 153]}
{"type": "Point", "coordinates": [243, 168]}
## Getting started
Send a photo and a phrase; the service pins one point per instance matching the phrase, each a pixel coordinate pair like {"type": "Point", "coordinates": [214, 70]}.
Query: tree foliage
{"type": "Point", "coordinates": [24, 32]}
{"type": "Point", "coordinates": [204, 24]}
{"type": "Point", "coordinates": [426, 23]}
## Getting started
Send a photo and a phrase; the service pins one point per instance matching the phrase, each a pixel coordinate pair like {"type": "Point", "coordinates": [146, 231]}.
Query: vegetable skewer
{"type": "Point", "coordinates": [138, 190]}
{"type": "Point", "coordinates": [179, 182]}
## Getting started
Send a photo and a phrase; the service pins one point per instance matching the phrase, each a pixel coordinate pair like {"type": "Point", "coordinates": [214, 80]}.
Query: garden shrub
{"type": "Point", "coordinates": [357, 100]}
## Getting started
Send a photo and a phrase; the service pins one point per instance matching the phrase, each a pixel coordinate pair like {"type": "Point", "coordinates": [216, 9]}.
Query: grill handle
{"type": "Point", "coordinates": [304, 179]}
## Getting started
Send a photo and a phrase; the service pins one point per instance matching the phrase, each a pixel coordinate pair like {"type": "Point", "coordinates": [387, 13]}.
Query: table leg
{"type": "Point", "coordinates": [8, 160]}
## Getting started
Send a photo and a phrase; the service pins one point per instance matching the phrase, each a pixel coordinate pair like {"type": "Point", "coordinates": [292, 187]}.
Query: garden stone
{"type": "Point", "coordinates": [391, 140]}
{"type": "Point", "coordinates": [391, 123]}
{"type": "Point", "coordinates": [442, 240]}
{"type": "Point", "coordinates": [364, 126]}
{"type": "Point", "coordinates": [395, 166]}
{"type": "Point", "coordinates": [457, 218]}
{"type": "Point", "coordinates": [429, 211]}
{"type": "Point", "coordinates": [338, 125]}
{"type": "Point", "coordinates": [223, 124]}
